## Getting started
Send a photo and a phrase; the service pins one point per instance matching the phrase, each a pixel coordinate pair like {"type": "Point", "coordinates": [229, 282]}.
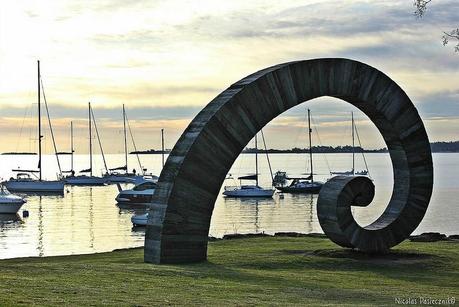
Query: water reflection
{"type": "Point", "coordinates": [9, 218]}
{"type": "Point", "coordinates": [87, 219]}
{"type": "Point", "coordinates": [294, 212]}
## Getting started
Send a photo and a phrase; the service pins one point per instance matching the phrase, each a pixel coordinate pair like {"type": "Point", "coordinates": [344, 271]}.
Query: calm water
{"type": "Point", "coordinates": [87, 219]}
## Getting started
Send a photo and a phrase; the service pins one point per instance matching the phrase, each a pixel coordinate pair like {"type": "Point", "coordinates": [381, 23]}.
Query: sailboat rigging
{"type": "Point", "coordinates": [85, 180]}
{"type": "Point", "coordinates": [249, 190]}
{"type": "Point", "coordinates": [299, 184]}
{"type": "Point", "coordinates": [353, 172]}
{"type": "Point", "coordinates": [24, 181]}
{"type": "Point", "coordinates": [112, 175]}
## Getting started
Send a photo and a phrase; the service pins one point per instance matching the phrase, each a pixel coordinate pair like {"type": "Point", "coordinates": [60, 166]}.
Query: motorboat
{"type": "Point", "coordinates": [249, 190]}
{"type": "Point", "coordinates": [301, 186]}
{"type": "Point", "coordinates": [140, 219]}
{"type": "Point", "coordinates": [9, 203]}
{"type": "Point", "coordinates": [140, 194]}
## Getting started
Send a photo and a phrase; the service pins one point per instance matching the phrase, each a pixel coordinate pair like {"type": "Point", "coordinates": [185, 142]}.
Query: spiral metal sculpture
{"type": "Point", "coordinates": [182, 205]}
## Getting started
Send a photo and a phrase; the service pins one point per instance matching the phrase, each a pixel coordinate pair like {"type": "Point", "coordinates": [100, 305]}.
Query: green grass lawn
{"type": "Point", "coordinates": [252, 271]}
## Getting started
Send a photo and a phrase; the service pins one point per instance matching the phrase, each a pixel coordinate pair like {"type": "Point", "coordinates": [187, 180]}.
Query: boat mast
{"type": "Point", "coordinates": [39, 123]}
{"type": "Point", "coordinates": [256, 160]}
{"type": "Point", "coordinates": [98, 139]}
{"type": "Point", "coordinates": [90, 138]}
{"type": "Point", "coordinates": [353, 144]}
{"type": "Point", "coordinates": [125, 139]}
{"type": "Point", "coordinates": [162, 146]}
{"type": "Point", "coordinates": [310, 143]}
{"type": "Point", "coordinates": [71, 146]}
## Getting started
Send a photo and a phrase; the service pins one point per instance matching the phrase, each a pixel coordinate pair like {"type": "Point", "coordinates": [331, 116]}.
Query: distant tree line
{"type": "Point", "coordinates": [149, 152]}
{"type": "Point", "coordinates": [435, 146]}
{"type": "Point", "coordinates": [445, 146]}
{"type": "Point", "coordinates": [316, 149]}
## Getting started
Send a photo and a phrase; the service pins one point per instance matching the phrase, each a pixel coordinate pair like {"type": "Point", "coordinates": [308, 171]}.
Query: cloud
{"type": "Point", "coordinates": [440, 105]}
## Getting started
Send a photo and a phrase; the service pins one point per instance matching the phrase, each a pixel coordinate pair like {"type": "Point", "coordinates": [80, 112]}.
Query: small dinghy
{"type": "Point", "coordinates": [139, 219]}
{"type": "Point", "coordinates": [9, 203]}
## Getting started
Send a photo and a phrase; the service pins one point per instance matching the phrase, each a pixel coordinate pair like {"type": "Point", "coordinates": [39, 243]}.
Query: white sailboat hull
{"type": "Point", "coordinates": [85, 180]}
{"type": "Point", "coordinates": [248, 191]}
{"type": "Point", "coordinates": [35, 186]}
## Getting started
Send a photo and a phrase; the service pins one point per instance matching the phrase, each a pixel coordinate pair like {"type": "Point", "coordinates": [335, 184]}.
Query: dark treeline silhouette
{"type": "Point", "coordinates": [436, 147]}
{"type": "Point", "coordinates": [150, 152]}
{"type": "Point", "coordinates": [317, 149]}
{"type": "Point", "coordinates": [445, 146]}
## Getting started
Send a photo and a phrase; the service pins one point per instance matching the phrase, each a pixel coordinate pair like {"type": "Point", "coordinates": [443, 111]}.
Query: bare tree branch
{"type": "Point", "coordinates": [453, 35]}
{"type": "Point", "coordinates": [421, 7]}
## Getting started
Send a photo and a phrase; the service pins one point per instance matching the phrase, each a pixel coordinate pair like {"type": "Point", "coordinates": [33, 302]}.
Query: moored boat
{"type": "Point", "coordinates": [140, 194]}
{"type": "Point", "coordinates": [24, 181]}
{"type": "Point", "coordinates": [353, 172]}
{"type": "Point", "coordinates": [299, 184]}
{"type": "Point", "coordinates": [85, 180]}
{"type": "Point", "coordinates": [249, 190]}
{"type": "Point", "coordinates": [121, 174]}
{"type": "Point", "coordinates": [9, 203]}
{"type": "Point", "coordinates": [140, 219]}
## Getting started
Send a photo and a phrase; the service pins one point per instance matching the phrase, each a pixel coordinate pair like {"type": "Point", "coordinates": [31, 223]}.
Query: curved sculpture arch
{"type": "Point", "coordinates": [189, 184]}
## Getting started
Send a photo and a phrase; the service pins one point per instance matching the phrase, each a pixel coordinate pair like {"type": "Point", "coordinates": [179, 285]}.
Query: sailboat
{"type": "Point", "coordinates": [249, 190]}
{"type": "Point", "coordinates": [114, 176]}
{"type": "Point", "coordinates": [84, 180]}
{"type": "Point", "coordinates": [353, 172]}
{"type": "Point", "coordinates": [301, 184]}
{"type": "Point", "coordinates": [28, 180]}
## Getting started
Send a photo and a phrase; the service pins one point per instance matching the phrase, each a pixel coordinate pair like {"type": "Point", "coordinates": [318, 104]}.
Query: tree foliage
{"type": "Point", "coordinates": [450, 36]}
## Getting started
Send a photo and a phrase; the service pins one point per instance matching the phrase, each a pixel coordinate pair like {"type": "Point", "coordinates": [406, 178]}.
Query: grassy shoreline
{"type": "Point", "coordinates": [258, 270]}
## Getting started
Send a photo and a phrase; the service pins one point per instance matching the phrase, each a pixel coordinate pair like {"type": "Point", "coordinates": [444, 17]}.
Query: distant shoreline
{"type": "Point", "coordinates": [19, 153]}
{"type": "Point", "coordinates": [436, 147]}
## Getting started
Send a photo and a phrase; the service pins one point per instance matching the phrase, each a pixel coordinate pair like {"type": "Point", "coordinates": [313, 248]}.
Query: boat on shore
{"type": "Point", "coordinates": [10, 203]}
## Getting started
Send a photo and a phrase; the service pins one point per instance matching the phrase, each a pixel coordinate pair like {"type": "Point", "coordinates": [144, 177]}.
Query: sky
{"type": "Point", "coordinates": [165, 60]}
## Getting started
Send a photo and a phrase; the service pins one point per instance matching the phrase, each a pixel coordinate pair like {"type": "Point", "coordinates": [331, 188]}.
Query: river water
{"type": "Point", "coordinates": [87, 219]}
